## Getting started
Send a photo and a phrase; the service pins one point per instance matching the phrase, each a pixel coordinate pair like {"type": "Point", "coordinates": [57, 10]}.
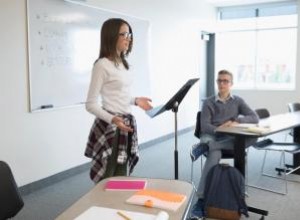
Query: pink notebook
{"type": "Point", "coordinates": [126, 185]}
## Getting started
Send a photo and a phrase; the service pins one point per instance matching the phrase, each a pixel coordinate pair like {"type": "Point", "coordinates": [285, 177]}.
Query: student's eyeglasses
{"type": "Point", "coordinates": [126, 35]}
{"type": "Point", "coordinates": [225, 81]}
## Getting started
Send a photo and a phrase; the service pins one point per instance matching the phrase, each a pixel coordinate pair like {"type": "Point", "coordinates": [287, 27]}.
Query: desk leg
{"type": "Point", "coordinates": [239, 163]}
{"type": "Point", "coordinates": [296, 157]}
{"type": "Point", "coordinates": [239, 154]}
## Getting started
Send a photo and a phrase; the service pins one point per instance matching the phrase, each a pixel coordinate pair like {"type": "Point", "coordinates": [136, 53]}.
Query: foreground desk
{"type": "Point", "coordinates": [116, 199]}
{"type": "Point", "coordinates": [274, 124]}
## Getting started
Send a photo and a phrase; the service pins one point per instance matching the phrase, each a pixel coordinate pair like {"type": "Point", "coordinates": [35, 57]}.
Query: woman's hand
{"type": "Point", "coordinates": [143, 103]}
{"type": "Point", "coordinates": [121, 125]}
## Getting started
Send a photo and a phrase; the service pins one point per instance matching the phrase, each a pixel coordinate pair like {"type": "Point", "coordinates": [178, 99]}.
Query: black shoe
{"type": "Point", "coordinates": [197, 150]}
{"type": "Point", "coordinates": [198, 210]}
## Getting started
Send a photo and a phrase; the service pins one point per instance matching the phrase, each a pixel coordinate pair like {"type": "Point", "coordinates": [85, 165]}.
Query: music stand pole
{"type": "Point", "coordinates": [175, 110]}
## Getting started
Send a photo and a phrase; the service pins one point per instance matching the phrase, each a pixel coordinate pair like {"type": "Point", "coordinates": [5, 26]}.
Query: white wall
{"type": "Point", "coordinates": [42, 144]}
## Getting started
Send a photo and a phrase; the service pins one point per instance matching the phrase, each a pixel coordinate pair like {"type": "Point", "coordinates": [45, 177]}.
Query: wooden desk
{"type": "Point", "coordinates": [276, 123]}
{"type": "Point", "coordinates": [116, 199]}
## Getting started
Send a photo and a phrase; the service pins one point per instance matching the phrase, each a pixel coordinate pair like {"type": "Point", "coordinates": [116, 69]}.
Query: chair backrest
{"type": "Point", "coordinates": [262, 113]}
{"type": "Point", "coordinates": [197, 132]}
{"type": "Point", "coordinates": [225, 153]}
{"type": "Point", "coordinates": [10, 200]}
{"type": "Point", "coordinates": [294, 107]}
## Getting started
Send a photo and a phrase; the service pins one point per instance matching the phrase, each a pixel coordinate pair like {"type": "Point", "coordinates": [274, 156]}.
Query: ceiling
{"type": "Point", "coordinates": [222, 3]}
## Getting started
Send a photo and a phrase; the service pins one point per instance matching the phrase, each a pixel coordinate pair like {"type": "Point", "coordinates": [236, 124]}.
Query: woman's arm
{"type": "Point", "coordinates": [92, 104]}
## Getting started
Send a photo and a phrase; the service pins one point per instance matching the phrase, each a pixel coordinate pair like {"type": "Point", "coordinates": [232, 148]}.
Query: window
{"type": "Point", "coordinates": [259, 46]}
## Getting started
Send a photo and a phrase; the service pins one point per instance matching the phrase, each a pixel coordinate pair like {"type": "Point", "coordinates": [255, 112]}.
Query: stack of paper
{"type": "Point", "coordinates": [258, 130]}
{"type": "Point", "coordinates": [245, 125]}
{"type": "Point", "coordinates": [96, 213]}
{"type": "Point", "coordinates": [158, 199]}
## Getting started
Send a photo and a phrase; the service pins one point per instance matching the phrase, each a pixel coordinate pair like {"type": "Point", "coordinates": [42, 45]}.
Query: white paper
{"type": "Point", "coordinates": [258, 130]}
{"type": "Point", "coordinates": [96, 213]}
{"type": "Point", "coordinates": [245, 125]}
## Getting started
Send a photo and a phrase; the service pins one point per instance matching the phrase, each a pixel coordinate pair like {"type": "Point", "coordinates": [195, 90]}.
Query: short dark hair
{"type": "Point", "coordinates": [226, 72]}
{"type": "Point", "coordinates": [109, 38]}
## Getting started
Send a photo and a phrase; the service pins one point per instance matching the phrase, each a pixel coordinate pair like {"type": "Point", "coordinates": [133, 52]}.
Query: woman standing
{"type": "Point", "coordinates": [112, 142]}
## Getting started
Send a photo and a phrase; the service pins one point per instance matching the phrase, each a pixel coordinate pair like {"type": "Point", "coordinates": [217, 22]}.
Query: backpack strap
{"type": "Point", "coordinates": [212, 181]}
{"type": "Point", "coordinates": [243, 209]}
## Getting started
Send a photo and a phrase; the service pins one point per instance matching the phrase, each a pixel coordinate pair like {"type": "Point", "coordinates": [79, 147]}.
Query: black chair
{"type": "Point", "coordinates": [10, 200]}
{"type": "Point", "coordinates": [294, 107]}
{"type": "Point", "coordinates": [226, 154]}
{"type": "Point", "coordinates": [262, 113]}
{"type": "Point", "coordinates": [270, 145]}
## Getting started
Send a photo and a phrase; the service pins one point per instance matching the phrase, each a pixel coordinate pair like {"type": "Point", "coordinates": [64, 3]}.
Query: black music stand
{"type": "Point", "coordinates": [173, 105]}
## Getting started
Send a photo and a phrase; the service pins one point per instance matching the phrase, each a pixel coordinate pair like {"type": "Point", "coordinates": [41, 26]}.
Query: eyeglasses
{"type": "Point", "coordinates": [126, 35]}
{"type": "Point", "coordinates": [225, 81]}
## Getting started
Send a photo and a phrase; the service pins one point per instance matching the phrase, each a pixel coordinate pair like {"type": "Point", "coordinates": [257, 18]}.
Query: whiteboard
{"type": "Point", "coordinates": [64, 42]}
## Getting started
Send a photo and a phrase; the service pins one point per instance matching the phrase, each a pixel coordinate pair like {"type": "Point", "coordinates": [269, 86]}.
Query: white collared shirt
{"type": "Point", "coordinates": [218, 98]}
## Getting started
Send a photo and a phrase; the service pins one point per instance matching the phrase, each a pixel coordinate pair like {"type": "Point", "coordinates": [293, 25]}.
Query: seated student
{"type": "Point", "coordinates": [221, 110]}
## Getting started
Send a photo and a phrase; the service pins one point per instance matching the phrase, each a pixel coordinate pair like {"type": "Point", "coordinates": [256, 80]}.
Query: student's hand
{"type": "Point", "coordinates": [143, 103]}
{"type": "Point", "coordinates": [233, 123]}
{"type": "Point", "coordinates": [227, 124]}
{"type": "Point", "coordinates": [121, 125]}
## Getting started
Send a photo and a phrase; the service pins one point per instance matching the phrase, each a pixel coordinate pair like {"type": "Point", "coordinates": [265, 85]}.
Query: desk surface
{"type": "Point", "coordinates": [116, 199]}
{"type": "Point", "coordinates": [275, 123]}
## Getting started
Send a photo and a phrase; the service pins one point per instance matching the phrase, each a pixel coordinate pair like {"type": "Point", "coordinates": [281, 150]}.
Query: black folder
{"type": "Point", "coordinates": [178, 97]}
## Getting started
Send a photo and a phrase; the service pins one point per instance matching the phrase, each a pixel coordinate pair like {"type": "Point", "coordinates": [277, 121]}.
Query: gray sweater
{"type": "Point", "coordinates": [214, 113]}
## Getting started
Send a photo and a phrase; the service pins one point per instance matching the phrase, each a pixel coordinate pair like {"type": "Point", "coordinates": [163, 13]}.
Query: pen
{"type": "Point", "coordinates": [123, 215]}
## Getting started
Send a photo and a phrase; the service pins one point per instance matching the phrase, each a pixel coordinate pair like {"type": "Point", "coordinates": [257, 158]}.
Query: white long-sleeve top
{"type": "Point", "coordinates": [112, 83]}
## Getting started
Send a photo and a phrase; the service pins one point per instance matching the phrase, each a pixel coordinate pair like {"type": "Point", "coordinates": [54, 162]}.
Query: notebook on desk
{"type": "Point", "coordinates": [245, 125]}
{"type": "Point", "coordinates": [125, 185]}
{"type": "Point", "coordinates": [156, 198]}
{"type": "Point", "coordinates": [258, 130]}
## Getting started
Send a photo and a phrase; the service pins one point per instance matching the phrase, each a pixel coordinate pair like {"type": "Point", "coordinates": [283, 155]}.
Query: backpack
{"type": "Point", "coordinates": [224, 195]}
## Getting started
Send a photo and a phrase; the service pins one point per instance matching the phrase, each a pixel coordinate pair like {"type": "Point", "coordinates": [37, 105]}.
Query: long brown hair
{"type": "Point", "coordinates": [109, 37]}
